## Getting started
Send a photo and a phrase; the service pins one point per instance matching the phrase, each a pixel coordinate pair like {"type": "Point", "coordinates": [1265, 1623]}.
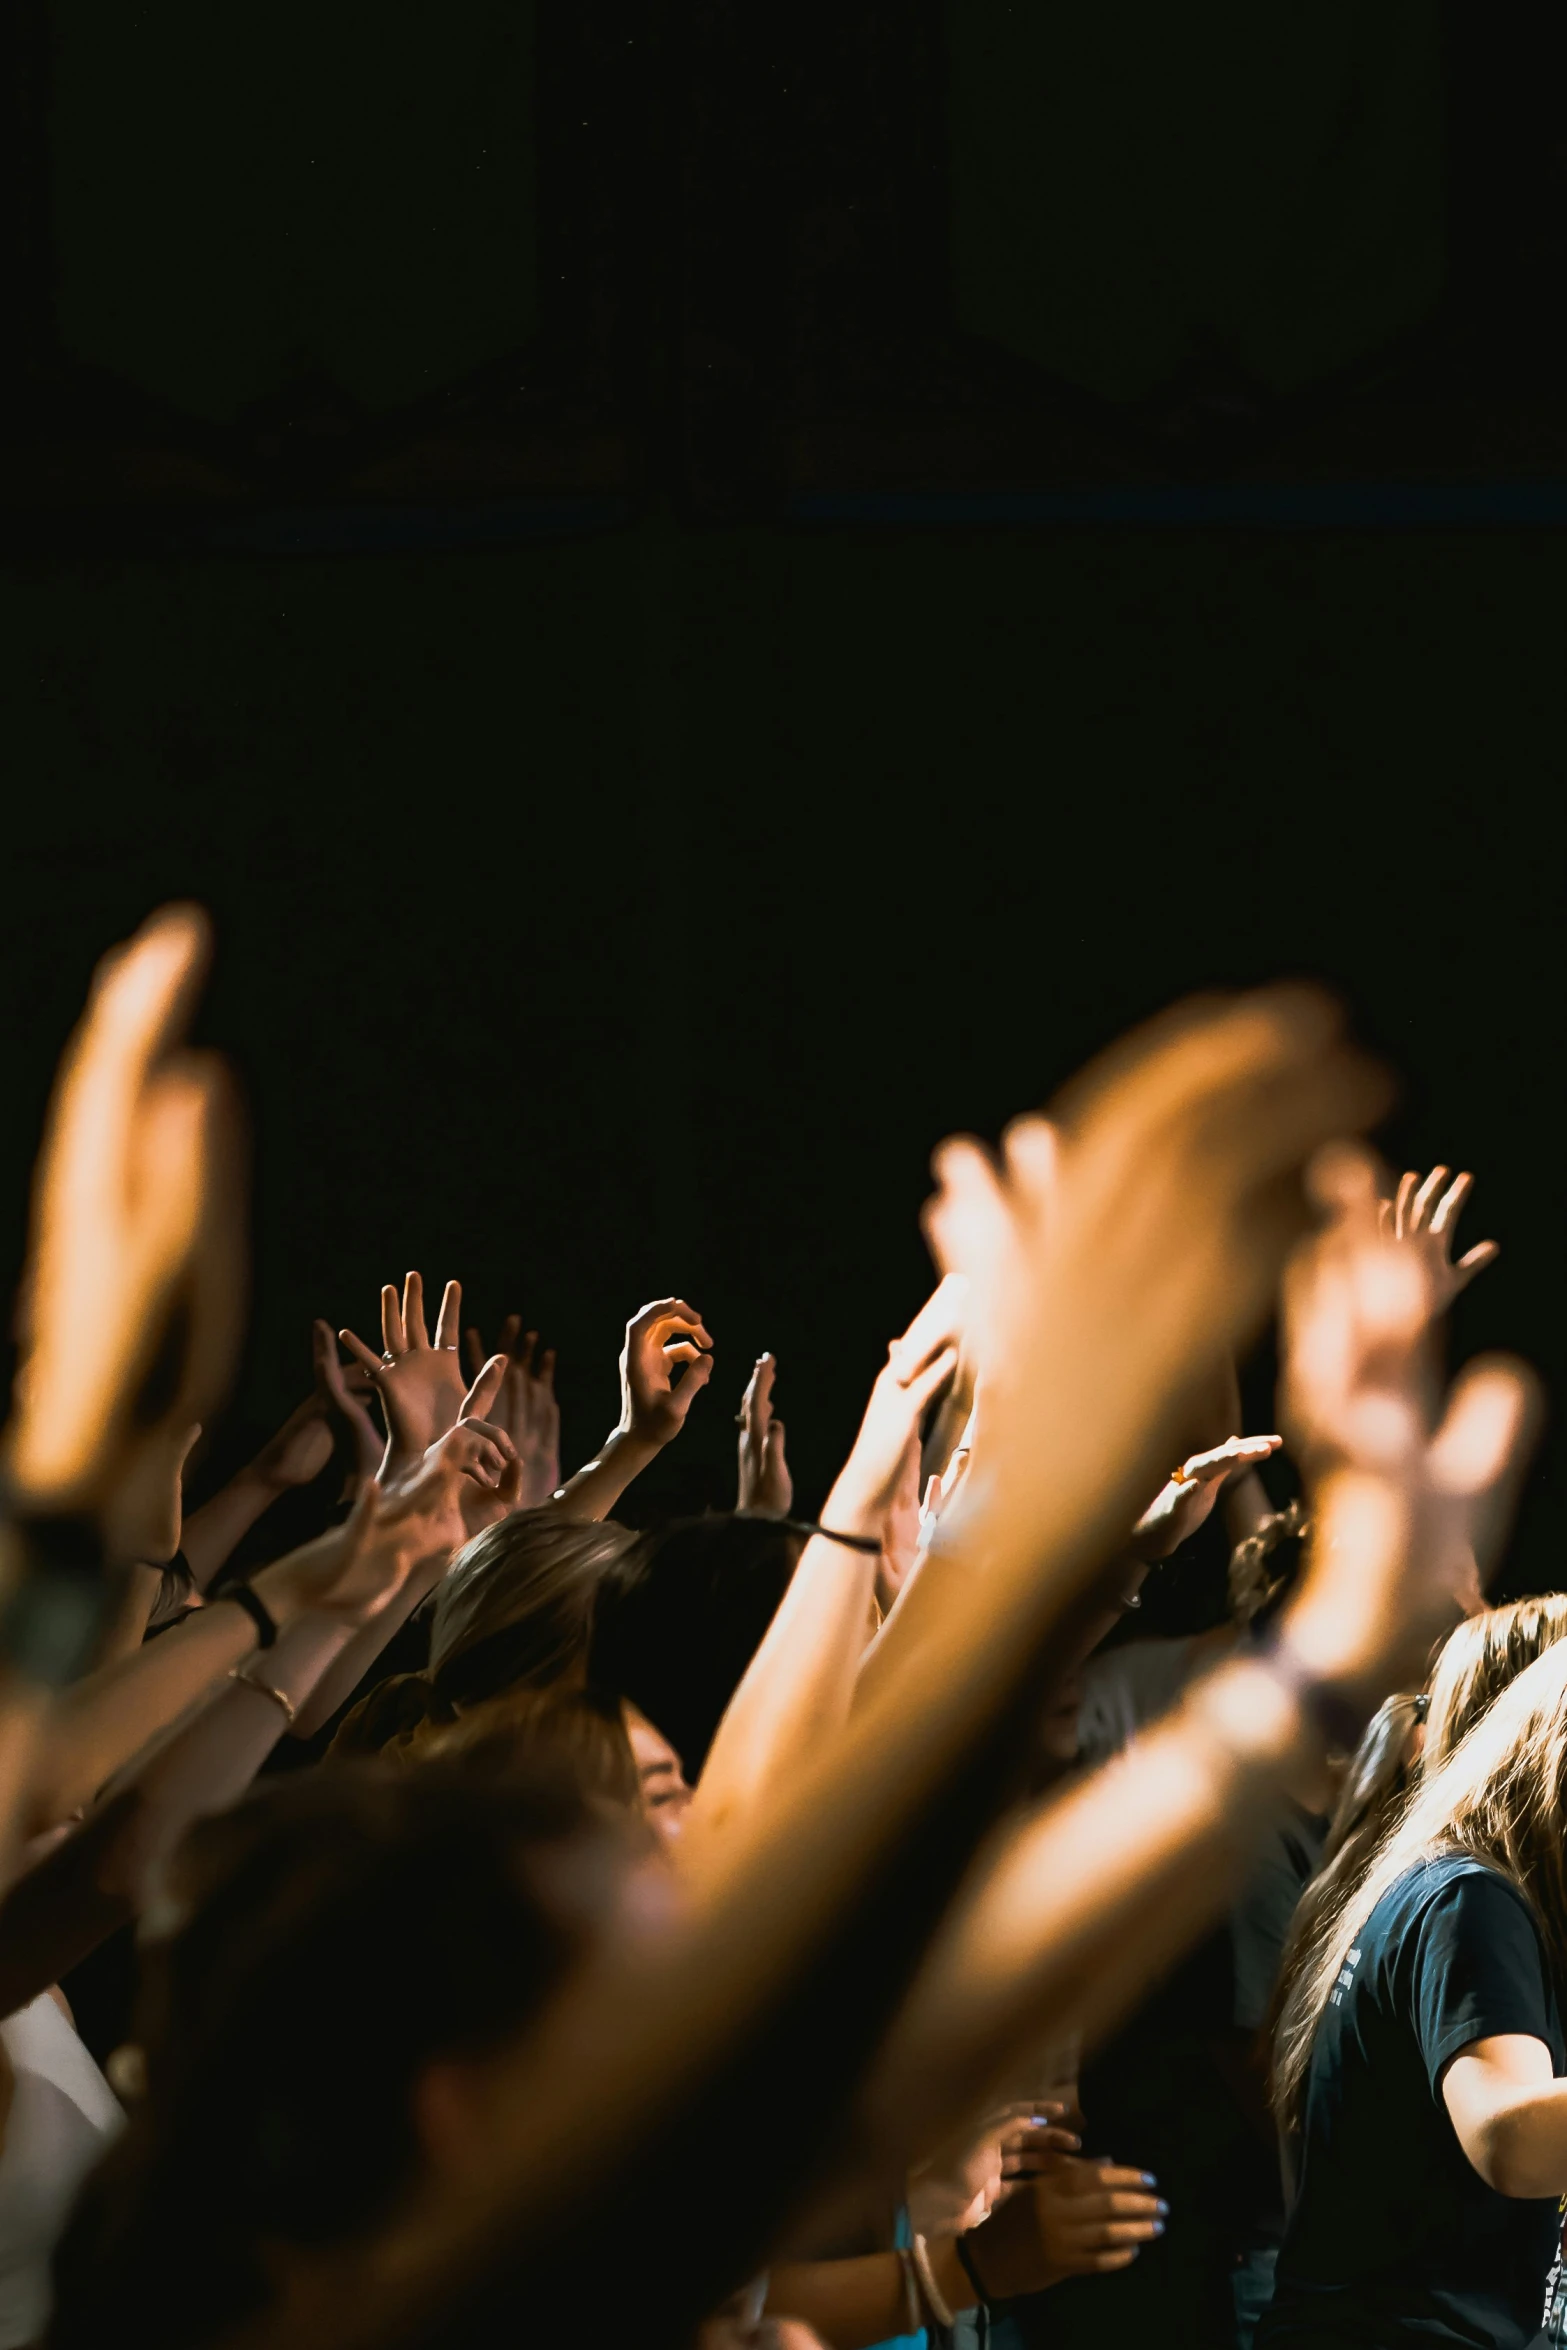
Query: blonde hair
{"type": "Point", "coordinates": [1501, 1798]}
{"type": "Point", "coordinates": [1480, 1659]}
{"type": "Point", "coordinates": [514, 1610]}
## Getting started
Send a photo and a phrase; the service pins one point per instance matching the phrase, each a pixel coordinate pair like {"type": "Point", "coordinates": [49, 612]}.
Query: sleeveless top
{"type": "Point", "coordinates": [63, 2117]}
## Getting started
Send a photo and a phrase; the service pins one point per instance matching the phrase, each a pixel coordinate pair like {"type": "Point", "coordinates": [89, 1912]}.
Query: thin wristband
{"type": "Point", "coordinates": [960, 2245]}
{"type": "Point", "coordinates": [256, 1608]}
{"type": "Point", "coordinates": [935, 2301]}
{"type": "Point", "coordinates": [279, 1697]}
{"type": "Point", "coordinates": [913, 2311]}
{"type": "Point", "coordinates": [869, 1543]}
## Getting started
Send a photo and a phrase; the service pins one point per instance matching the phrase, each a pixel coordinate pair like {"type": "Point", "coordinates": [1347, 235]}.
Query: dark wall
{"type": "Point", "coordinates": [605, 917]}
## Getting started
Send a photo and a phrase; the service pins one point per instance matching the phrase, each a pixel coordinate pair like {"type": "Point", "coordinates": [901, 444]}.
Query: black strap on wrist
{"type": "Point", "coordinates": [256, 1608]}
{"type": "Point", "coordinates": [870, 1543]}
{"type": "Point", "coordinates": [960, 2245]}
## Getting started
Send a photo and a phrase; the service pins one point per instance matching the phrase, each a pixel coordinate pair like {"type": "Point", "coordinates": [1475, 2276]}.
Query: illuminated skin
{"type": "Point", "coordinates": [665, 1796]}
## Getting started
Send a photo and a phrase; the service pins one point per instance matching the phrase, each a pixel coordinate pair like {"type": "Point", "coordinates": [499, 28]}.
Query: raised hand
{"type": "Point", "coordinates": [525, 1406]}
{"type": "Point", "coordinates": [420, 1384]}
{"type": "Point", "coordinates": [345, 1390]}
{"type": "Point", "coordinates": [356, 1570]}
{"type": "Point", "coordinates": [766, 1488]}
{"type": "Point", "coordinates": [299, 1451]}
{"type": "Point", "coordinates": [1186, 1499]}
{"type": "Point", "coordinates": [1424, 1217]}
{"type": "Point", "coordinates": [1409, 1486]}
{"type": "Point", "coordinates": [918, 1365]}
{"type": "Point", "coordinates": [1158, 1199]}
{"type": "Point", "coordinates": [664, 1337]}
{"type": "Point", "coordinates": [136, 1242]}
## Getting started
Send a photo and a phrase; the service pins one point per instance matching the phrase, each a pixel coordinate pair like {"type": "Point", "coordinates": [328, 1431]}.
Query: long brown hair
{"type": "Point", "coordinates": [1480, 1659]}
{"type": "Point", "coordinates": [1501, 1798]}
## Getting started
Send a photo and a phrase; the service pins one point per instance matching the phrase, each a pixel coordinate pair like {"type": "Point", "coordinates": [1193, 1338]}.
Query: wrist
{"type": "Point", "coordinates": [280, 1593]}
{"type": "Point", "coordinates": [852, 1507]}
{"type": "Point", "coordinates": [953, 2281]}
{"type": "Point", "coordinates": [630, 1441]}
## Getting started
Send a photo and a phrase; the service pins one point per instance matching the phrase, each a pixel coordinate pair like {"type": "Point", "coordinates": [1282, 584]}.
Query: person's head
{"type": "Point", "coordinates": [679, 1617]}
{"type": "Point", "coordinates": [514, 1611]}
{"type": "Point", "coordinates": [1500, 1796]}
{"type": "Point", "coordinates": [1377, 1779]}
{"type": "Point", "coordinates": [342, 1953]}
{"type": "Point", "coordinates": [1479, 1659]}
{"type": "Point", "coordinates": [527, 1730]}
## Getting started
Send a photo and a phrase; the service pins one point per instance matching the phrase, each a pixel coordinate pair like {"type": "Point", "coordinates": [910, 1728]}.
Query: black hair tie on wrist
{"type": "Point", "coordinates": [870, 1543]}
{"type": "Point", "coordinates": [256, 1608]}
{"type": "Point", "coordinates": [966, 2263]}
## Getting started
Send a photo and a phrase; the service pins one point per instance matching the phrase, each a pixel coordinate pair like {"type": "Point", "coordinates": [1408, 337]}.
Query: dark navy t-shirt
{"type": "Point", "coordinates": [1394, 2238]}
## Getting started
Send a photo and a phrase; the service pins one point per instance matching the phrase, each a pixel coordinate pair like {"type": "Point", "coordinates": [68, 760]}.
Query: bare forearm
{"type": "Point", "coordinates": [213, 1759]}
{"type": "Point", "coordinates": [1083, 1904]}
{"type": "Point", "coordinates": [214, 1532]}
{"type": "Point", "coordinates": [355, 1658]}
{"type": "Point", "coordinates": [102, 1721]}
{"type": "Point", "coordinates": [797, 1688]}
{"type": "Point", "coordinates": [599, 1483]}
{"type": "Point", "coordinates": [127, 1626]}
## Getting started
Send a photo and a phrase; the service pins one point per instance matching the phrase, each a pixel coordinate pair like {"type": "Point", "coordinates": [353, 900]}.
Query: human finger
{"type": "Point", "coordinates": [360, 1352]}
{"type": "Point", "coordinates": [393, 1334]}
{"type": "Point", "coordinates": [1475, 1260]}
{"type": "Point", "coordinates": [1117, 2176]}
{"type": "Point", "coordinates": [324, 1357]}
{"type": "Point", "coordinates": [507, 1342]}
{"type": "Point", "coordinates": [486, 1387]}
{"type": "Point", "coordinates": [938, 1324]}
{"type": "Point", "coordinates": [934, 1376]}
{"type": "Point", "coordinates": [1114, 2234]}
{"type": "Point", "coordinates": [686, 1325]}
{"type": "Point", "coordinates": [1450, 1206]}
{"type": "Point", "coordinates": [449, 1317]}
{"type": "Point", "coordinates": [1408, 1185]}
{"type": "Point", "coordinates": [415, 1329]}
{"type": "Point", "coordinates": [1424, 1201]}
{"type": "Point", "coordinates": [682, 1350]}
{"type": "Point", "coordinates": [668, 1309]}
{"type": "Point", "coordinates": [545, 1374]}
{"type": "Point", "coordinates": [491, 1432]}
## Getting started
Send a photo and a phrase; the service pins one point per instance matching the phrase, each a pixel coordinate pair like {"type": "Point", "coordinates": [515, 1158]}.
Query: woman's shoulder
{"type": "Point", "coordinates": [1440, 1884]}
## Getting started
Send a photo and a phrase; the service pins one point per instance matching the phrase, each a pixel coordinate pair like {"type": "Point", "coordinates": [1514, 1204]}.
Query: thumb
{"type": "Point", "coordinates": [476, 1403]}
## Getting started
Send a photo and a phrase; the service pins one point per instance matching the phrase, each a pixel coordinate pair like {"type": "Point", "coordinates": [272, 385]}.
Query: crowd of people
{"type": "Point", "coordinates": [841, 1930]}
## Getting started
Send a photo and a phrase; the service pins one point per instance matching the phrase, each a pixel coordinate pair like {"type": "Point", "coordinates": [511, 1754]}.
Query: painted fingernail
{"type": "Point", "coordinates": [1158, 2227]}
{"type": "Point", "coordinates": [1149, 2180]}
{"type": "Point", "coordinates": [1162, 2208]}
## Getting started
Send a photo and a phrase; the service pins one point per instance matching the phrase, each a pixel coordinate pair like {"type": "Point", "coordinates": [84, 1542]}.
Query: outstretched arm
{"type": "Point", "coordinates": [1084, 1904]}
{"type": "Point", "coordinates": [797, 1688]}
{"type": "Point", "coordinates": [135, 1252]}
{"type": "Point", "coordinates": [768, 1997]}
{"type": "Point", "coordinates": [472, 1464]}
{"type": "Point", "coordinates": [654, 1401]}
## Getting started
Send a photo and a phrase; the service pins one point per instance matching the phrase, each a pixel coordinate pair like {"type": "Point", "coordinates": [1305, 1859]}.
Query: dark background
{"type": "Point", "coordinates": [708, 600]}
